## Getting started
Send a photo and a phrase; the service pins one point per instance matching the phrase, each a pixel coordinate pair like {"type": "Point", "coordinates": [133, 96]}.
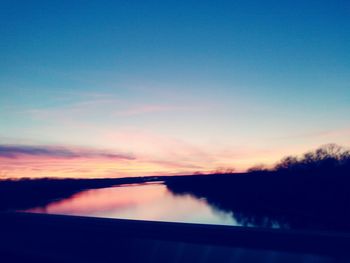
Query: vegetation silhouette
{"type": "Point", "coordinates": [312, 191]}
{"type": "Point", "coordinates": [29, 193]}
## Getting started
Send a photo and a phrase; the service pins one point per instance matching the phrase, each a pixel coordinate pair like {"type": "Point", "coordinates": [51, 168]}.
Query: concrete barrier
{"type": "Point", "coordinates": [58, 238]}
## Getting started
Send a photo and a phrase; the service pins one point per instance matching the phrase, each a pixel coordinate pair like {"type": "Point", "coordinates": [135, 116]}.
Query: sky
{"type": "Point", "coordinates": [130, 88]}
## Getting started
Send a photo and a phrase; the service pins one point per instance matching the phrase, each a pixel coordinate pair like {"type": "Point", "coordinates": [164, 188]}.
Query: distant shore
{"type": "Point", "coordinates": [262, 199]}
{"type": "Point", "coordinates": [28, 193]}
{"type": "Point", "coordinates": [310, 192]}
{"type": "Point", "coordinates": [274, 199]}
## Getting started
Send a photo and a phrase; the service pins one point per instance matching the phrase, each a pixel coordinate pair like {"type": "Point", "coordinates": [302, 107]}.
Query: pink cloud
{"type": "Point", "coordinates": [61, 152]}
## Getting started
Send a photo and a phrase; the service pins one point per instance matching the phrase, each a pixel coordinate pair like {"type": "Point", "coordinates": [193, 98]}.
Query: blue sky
{"type": "Point", "coordinates": [216, 83]}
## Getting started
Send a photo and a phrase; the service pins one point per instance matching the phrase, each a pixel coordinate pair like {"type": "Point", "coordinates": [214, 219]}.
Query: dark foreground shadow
{"type": "Point", "coordinates": [51, 238]}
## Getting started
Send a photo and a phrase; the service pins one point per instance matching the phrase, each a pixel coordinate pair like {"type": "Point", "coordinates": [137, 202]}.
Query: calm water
{"type": "Point", "coordinates": [149, 201]}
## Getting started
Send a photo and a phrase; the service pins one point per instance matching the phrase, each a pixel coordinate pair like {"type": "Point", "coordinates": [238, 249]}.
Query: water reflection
{"type": "Point", "coordinates": [151, 201]}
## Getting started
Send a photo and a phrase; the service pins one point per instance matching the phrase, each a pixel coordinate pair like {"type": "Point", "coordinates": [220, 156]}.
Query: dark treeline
{"type": "Point", "coordinates": [312, 191]}
{"type": "Point", "coordinates": [30, 193]}
{"type": "Point", "coordinates": [326, 159]}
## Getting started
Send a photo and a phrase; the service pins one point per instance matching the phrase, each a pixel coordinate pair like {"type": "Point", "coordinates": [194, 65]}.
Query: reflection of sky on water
{"type": "Point", "coordinates": [144, 202]}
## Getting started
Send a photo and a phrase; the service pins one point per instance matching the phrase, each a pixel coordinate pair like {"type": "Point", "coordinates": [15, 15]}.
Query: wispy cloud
{"type": "Point", "coordinates": [143, 109]}
{"type": "Point", "coordinates": [15, 151]}
{"type": "Point", "coordinates": [320, 134]}
{"type": "Point", "coordinates": [104, 108]}
{"type": "Point", "coordinates": [152, 154]}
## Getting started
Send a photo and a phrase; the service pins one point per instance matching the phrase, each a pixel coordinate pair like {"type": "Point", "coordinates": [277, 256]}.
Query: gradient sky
{"type": "Point", "coordinates": [125, 88]}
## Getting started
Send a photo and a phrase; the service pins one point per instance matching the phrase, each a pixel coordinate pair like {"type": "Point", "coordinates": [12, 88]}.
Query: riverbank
{"type": "Point", "coordinates": [28, 193]}
{"type": "Point", "coordinates": [268, 199]}
{"type": "Point", "coordinates": [309, 200]}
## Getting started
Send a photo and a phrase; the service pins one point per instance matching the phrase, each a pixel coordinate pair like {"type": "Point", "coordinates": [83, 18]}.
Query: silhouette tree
{"type": "Point", "coordinates": [310, 191]}
{"type": "Point", "coordinates": [325, 158]}
{"type": "Point", "coordinates": [258, 168]}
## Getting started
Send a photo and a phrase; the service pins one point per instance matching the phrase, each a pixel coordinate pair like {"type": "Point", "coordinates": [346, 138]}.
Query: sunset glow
{"type": "Point", "coordinates": [163, 89]}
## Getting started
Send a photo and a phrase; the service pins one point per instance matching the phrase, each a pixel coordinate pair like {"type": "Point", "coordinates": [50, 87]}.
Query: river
{"type": "Point", "coordinates": [147, 201]}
